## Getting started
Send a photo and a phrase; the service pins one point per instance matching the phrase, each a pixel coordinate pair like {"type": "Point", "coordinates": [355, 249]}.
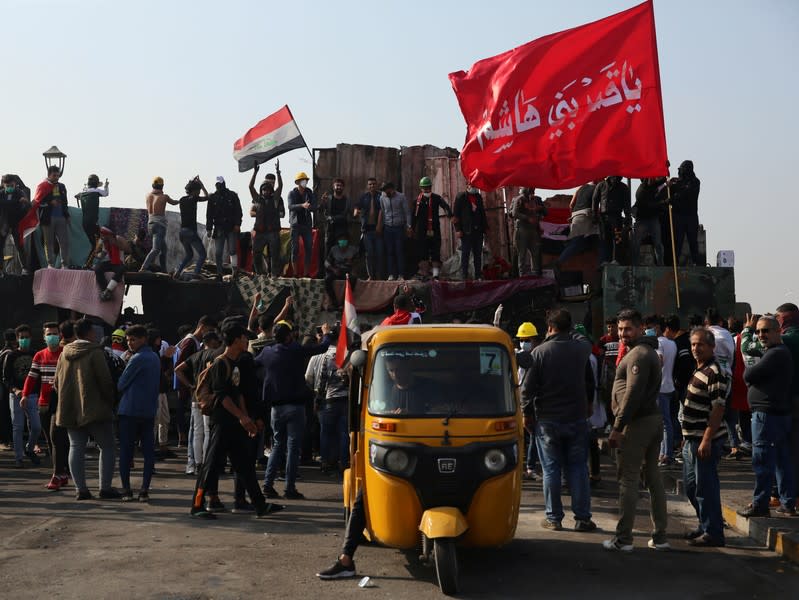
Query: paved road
{"type": "Point", "coordinates": [54, 547]}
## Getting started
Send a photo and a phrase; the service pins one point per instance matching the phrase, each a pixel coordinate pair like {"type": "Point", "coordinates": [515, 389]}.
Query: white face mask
{"type": "Point", "coordinates": [527, 346]}
{"type": "Point", "coordinates": [426, 194]}
{"type": "Point", "coordinates": [303, 184]}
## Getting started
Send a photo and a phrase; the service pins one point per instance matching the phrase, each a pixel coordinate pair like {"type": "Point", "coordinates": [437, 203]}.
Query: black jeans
{"type": "Point", "coordinates": [355, 526]}
{"type": "Point", "coordinates": [106, 267]}
{"type": "Point", "coordinates": [57, 441]}
{"type": "Point", "coordinates": [687, 226]}
{"type": "Point", "coordinates": [472, 243]}
{"type": "Point", "coordinates": [227, 439]}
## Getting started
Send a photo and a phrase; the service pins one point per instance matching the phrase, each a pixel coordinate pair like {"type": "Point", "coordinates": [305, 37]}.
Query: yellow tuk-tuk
{"type": "Point", "coordinates": [436, 440]}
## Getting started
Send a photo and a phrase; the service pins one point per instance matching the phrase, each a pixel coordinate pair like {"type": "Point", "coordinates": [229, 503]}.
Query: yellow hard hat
{"type": "Point", "coordinates": [118, 333]}
{"type": "Point", "coordinates": [526, 330]}
{"type": "Point", "coordinates": [300, 176]}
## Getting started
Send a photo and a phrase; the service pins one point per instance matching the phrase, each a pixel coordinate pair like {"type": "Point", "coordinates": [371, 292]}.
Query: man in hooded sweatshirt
{"type": "Point", "coordinates": [86, 396]}
{"type": "Point", "coordinates": [685, 208]}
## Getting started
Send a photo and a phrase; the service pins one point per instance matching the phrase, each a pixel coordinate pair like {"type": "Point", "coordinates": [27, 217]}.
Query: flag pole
{"type": "Point", "coordinates": [673, 249]}
{"type": "Point", "coordinates": [313, 162]}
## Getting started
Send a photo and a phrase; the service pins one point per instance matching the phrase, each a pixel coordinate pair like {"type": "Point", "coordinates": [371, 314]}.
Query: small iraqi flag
{"type": "Point", "coordinates": [349, 327]}
{"type": "Point", "coordinates": [275, 135]}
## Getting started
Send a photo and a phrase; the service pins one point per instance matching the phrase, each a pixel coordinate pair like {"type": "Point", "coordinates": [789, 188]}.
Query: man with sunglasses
{"type": "Point", "coordinates": [769, 396]}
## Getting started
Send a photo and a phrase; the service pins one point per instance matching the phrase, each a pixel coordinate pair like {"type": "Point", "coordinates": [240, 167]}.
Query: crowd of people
{"type": "Point", "coordinates": [718, 389]}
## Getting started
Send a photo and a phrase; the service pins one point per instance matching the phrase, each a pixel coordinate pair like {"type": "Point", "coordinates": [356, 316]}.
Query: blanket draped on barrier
{"type": "Point", "coordinates": [459, 296]}
{"type": "Point", "coordinates": [75, 290]}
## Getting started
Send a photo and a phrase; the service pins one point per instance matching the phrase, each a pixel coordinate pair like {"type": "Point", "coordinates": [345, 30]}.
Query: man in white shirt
{"type": "Point", "coordinates": [724, 354]}
{"type": "Point", "coordinates": [667, 350]}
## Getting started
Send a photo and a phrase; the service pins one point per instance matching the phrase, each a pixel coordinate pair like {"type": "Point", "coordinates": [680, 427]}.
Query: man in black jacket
{"type": "Point", "coordinates": [685, 203]}
{"type": "Point", "coordinates": [471, 224]}
{"type": "Point", "coordinates": [223, 223]}
{"type": "Point", "coordinates": [611, 199]}
{"type": "Point", "coordinates": [769, 396]}
{"type": "Point", "coordinates": [54, 219]}
{"type": "Point", "coordinates": [426, 225]}
{"type": "Point", "coordinates": [649, 202]}
{"type": "Point", "coordinates": [559, 402]}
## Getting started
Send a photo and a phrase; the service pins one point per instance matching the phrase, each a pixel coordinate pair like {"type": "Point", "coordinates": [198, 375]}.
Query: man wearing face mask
{"type": "Point", "coordinates": [13, 206]}
{"type": "Point", "coordinates": [267, 208]}
{"type": "Point", "coordinates": [338, 209]}
{"type": "Point", "coordinates": [302, 206]}
{"type": "Point", "coordinates": [427, 225]}
{"type": "Point", "coordinates": [527, 209]}
{"type": "Point", "coordinates": [40, 381]}
{"type": "Point", "coordinates": [338, 265]}
{"type": "Point", "coordinates": [16, 369]}
{"type": "Point", "coordinates": [89, 203]}
{"type": "Point", "coordinates": [471, 225]}
{"type": "Point", "coordinates": [527, 335]}
{"type": "Point", "coordinates": [223, 223]}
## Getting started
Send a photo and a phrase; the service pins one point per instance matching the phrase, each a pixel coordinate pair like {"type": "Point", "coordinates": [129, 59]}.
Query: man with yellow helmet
{"type": "Point", "coordinates": [528, 338]}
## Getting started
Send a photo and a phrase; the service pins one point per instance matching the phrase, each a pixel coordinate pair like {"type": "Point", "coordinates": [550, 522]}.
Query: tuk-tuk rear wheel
{"type": "Point", "coordinates": [446, 561]}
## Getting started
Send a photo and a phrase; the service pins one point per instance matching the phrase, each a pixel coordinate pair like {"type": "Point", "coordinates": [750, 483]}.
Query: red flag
{"type": "Point", "coordinates": [29, 223]}
{"type": "Point", "coordinates": [349, 326]}
{"type": "Point", "coordinates": [567, 108]}
{"type": "Point", "coordinates": [271, 137]}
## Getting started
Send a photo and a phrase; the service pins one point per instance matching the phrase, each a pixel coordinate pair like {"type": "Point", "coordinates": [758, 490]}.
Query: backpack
{"type": "Point", "coordinates": [204, 394]}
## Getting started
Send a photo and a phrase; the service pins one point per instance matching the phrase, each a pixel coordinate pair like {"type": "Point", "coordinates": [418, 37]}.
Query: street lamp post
{"type": "Point", "coordinates": [54, 156]}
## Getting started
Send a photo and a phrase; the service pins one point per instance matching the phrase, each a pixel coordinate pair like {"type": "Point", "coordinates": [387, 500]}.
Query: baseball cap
{"type": "Point", "coordinates": [220, 179]}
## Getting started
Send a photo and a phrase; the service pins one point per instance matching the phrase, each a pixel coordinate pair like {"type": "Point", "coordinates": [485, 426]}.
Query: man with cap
{"type": "Point", "coordinates": [527, 334]}
{"type": "Point", "coordinates": [302, 206]}
{"type": "Point", "coordinates": [394, 224]}
{"type": "Point", "coordinates": [156, 224]}
{"type": "Point", "coordinates": [285, 389]}
{"type": "Point", "coordinates": [110, 259]}
{"type": "Point", "coordinates": [89, 203]}
{"type": "Point", "coordinates": [427, 225]}
{"type": "Point", "coordinates": [223, 223]}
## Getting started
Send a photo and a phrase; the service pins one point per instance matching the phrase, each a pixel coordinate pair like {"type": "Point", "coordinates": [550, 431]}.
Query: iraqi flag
{"type": "Point", "coordinates": [566, 108]}
{"type": "Point", "coordinates": [276, 134]}
{"type": "Point", "coordinates": [349, 327]}
{"type": "Point", "coordinates": [29, 223]}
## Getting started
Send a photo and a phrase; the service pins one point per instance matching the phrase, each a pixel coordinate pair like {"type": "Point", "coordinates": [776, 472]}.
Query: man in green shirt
{"type": "Point", "coordinates": [89, 203]}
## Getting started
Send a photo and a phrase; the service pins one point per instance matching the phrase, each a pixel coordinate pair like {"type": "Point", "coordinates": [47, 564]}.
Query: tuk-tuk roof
{"type": "Point", "coordinates": [443, 332]}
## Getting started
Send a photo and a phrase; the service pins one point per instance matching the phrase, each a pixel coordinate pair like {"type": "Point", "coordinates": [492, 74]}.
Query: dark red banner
{"type": "Point", "coordinates": [567, 108]}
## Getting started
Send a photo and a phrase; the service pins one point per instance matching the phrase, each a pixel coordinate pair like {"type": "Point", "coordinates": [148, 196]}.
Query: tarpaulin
{"type": "Point", "coordinates": [451, 296]}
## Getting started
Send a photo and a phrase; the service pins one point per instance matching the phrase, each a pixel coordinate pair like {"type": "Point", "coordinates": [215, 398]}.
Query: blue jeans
{"type": "Point", "coordinates": [18, 417]}
{"type": "Point", "coordinates": [288, 425]}
{"type": "Point", "coordinates": [731, 419]}
{"type": "Point", "coordinates": [771, 456]}
{"type": "Point", "coordinates": [232, 239]}
{"type": "Point", "coordinates": [158, 233]}
{"type": "Point", "coordinates": [103, 434]}
{"type": "Point", "coordinates": [564, 446]}
{"type": "Point", "coordinates": [130, 430]}
{"type": "Point", "coordinates": [394, 239]}
{"type": "Point", "coordinates": [374, 247]}
{"type": "Point", "coordinates": [191, 241]}
{"type": "Point", "coordinates": [702, 488]}
{"type": "Point", "coordinates": [667, 445]}
{"type": "Point", "coordinates": [531, 456]}
{"type": "Point", "coordinates": [334, 439]}
{"type": "Point", "coordinates": [304, 232]}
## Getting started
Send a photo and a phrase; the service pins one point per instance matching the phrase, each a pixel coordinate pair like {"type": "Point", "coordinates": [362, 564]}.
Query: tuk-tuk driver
{"type": "Point", "coordinates": [408, 394]}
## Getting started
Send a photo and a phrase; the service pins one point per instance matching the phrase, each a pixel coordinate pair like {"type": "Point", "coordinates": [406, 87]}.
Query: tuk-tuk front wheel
{"type": "Point", "coordinates": [446, 561]}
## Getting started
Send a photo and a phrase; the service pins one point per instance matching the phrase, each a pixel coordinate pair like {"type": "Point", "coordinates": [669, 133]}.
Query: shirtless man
{"type": "Point", "coordinates": [156, 224]}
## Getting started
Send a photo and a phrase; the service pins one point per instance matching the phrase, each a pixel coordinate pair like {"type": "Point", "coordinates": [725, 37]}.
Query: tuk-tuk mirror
{"type": "Point", "coordinates": [358, 359]}
{"type": "Point", "coordinates": [524, 360]}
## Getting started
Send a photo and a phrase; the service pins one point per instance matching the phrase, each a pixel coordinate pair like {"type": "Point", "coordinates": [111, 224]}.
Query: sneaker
{"type": "Point", "coordinates": [216, 506]}
{"type": "Point", "coordinates": [614, 545]}
{"type": "Point", "coordinates": [202, 514]}
{"type": "Point", "coordinates": [751, 511]}
{"type": "Point", "coordinates": [110, 494]}
{"type": "Point", "coordinates": [705, 541]}
{"type": "Point", "coordinates": [144, 496]}
{"type": "Point", "coordinates": [84, 495]}
{"type": "Point", "coordinates": [693, 534]}
{"type": "Point", "coordinates": [242, 507]}
{"type": "Point", "coordinates": [127, 496]}
{"type": "Point", "coordinates": [270, 492]}
{"type": "Point", "coordinates": [658, 546]}
{"type": "Point", "coordinates": [553, 525]}
{"type": "Point", "coordinates": [293, 495]}
{"type": "Point", "coordinates": [64, 479]}
{"type": "Point", "coordinates": [337, 571]}
{"type": "Point", "coordinates": [55, 484]}
{"type": "Point", "coordinates": [784, 511]}
{"type": "Point", "coordinates": [530, 475]}
{"type": "Point", "coordinates": [584, 525]}
{"type": "Point", "coordinates": [190, 470]}
{"type": "Point", "coordinates": [268, 509]}
{"type": "Point", "coordinates": [390, 278]}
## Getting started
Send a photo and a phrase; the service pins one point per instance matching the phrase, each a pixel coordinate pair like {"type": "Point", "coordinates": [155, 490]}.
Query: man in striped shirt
{"type": "Point", "coordinates": [704, 431]}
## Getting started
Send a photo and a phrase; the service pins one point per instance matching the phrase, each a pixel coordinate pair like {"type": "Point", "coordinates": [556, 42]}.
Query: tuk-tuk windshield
{"type": "Point", "coordinates": [458, 379]}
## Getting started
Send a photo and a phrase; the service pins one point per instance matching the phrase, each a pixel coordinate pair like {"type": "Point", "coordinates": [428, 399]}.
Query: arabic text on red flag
{"type": "Point", "coordinates": [276, 134]}
{"type": "Point", "coordinates": [567, 108]}
{"type": "Point", "coordinates": [349, 327]}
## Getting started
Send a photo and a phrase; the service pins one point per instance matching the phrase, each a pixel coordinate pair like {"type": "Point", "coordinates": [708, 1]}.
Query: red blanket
{"type": "Point", "coordinates": [75, 290]}
{"type": "Point", "coordinates": [459, 296]}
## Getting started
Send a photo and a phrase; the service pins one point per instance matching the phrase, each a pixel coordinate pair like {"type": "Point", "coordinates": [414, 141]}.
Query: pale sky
{"type": "Point", "coordinates": [130, 90]}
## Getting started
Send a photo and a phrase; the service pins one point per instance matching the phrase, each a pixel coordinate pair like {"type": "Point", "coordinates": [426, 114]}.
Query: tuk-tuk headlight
{"type": "Point", "coordinates": [495, 460]}
{"type": "Point", "coordinates": [397, 460]}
